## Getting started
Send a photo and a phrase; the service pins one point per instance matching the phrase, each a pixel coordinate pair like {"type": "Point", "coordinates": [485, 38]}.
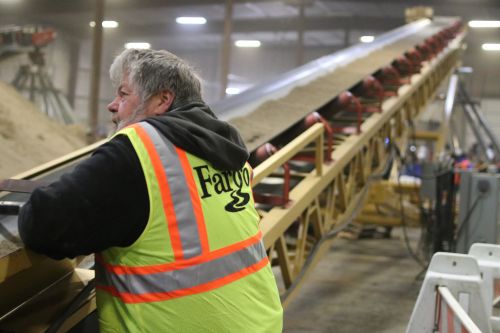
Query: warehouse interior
{"type": "Point", "coordinates": [373, 131]}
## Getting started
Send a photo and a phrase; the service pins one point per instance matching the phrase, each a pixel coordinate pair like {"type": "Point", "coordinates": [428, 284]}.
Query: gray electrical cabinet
{"type": "Point", "coordinates": [479, 210]}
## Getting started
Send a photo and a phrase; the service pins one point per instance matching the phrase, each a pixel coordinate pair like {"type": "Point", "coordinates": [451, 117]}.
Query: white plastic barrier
{"type": "Point", "coordinates": [464, 289]}
{"type": "Point", "coordinates": [488, 258]}
{"type": "Point", "coordinates": [450, 317]}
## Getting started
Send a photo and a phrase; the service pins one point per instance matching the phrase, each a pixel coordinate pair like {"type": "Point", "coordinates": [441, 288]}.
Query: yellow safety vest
{"type": "Point", "coordinates": [199, 265]}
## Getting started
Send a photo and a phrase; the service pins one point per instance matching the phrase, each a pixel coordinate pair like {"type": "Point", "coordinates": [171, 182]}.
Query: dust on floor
{"type": "Point", "coordinates": [365, 285]}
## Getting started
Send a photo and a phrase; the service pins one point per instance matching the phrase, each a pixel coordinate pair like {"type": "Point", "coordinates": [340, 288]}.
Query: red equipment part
{"type": "Point", "coordinates": [275, 199]}
{"type": "Point", "coordinates": [44, 37]}
{"type": "Point", "coordinates": [261, 154]}
{"type": "Point", "coordinates": [403, 66]}
{"type": "Point", "coordinates": [441, 41]}
{"type": "Point", "coordinates": [415, 58]}
{"type": "Point", "coordinates": [23, 37]}
{"type": "Point", "coordinates": [390, 79]}
{"type": "Point", "coordinates": [433, 45]}
{"type": "Point", "coordinates": [311, 119]}
{"type": "Point", "coordinates": [370, 93]}
{"type": "Point", "coordinates": [447, 34]}
{"type": "Point", "coordinates": [263, 195]}
{"type": "Point", "coordinates": [264, 151]}
{"type": "Point", "coordinates": [456, 28]}
{"type": "Point", "coordinates": [348, 102]}
{"type": "Point", "coordinates": [344, 102]}
{"type": "Point", "coordinates": [425, 51]}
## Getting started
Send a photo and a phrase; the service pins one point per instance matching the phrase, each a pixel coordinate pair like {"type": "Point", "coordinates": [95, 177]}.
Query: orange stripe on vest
{"type": "Point", "coordinates": [119, 269]}
{"type": "Point", "coordinates": [168, 206]}
{"type": "Point", "coordinates": [154, 297]}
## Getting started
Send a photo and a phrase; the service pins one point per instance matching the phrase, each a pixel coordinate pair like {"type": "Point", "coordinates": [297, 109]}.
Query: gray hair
{"type": "Point", "coordinates": [152, 72]}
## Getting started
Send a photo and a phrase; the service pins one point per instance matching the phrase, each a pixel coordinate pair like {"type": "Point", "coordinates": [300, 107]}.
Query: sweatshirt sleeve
{"type": "Point", "coordinates": [102, 203]}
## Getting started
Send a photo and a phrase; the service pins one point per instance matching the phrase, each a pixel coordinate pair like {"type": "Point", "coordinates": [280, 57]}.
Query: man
{"type": "Point", "coordinates": [166, 205]}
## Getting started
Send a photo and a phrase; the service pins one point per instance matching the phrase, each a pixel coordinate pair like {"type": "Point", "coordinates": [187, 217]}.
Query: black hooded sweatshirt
{"type": "Point", "coordinates": [104, 201]}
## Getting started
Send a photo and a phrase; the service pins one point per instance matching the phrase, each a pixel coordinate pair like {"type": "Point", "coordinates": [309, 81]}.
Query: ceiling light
{"type": "Point", "coordinates": [232, 91]}
{"type": "Point", "coordinates": [366, 39]}
{"type": "Point", "coordinates": [191, 20]}
{"type": "Point", "coordinates": [247, 43]}
{"type": "Point", "coordinates": [109, 24]}
{"type": "Point", "coordinates": [138, 45]}
{"type": "Point", "coordinates": [491, 47]}
{"type": "Point", "coordinates": [465, 70]}
{"type": "Point", "coordinates": [106, 24]}
{"type": "Point", "coordinates": [484, 24]}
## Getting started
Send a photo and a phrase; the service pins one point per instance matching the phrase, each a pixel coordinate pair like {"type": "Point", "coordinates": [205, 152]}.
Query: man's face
{"type": "Point", "coordinates": [126, 107]}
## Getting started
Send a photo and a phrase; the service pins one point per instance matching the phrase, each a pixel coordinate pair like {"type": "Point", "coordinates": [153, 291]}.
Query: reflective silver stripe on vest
{"type": "Point", "coordinates": [179, 192]}
{"type": "Point", "coordinates": [183, 278]}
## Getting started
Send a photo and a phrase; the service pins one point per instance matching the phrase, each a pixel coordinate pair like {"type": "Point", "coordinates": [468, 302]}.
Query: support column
{"type": "Point", "coordinates": [74, 62]}
{"type": "Point", "coordinates": [95, 70]}
{"type": "Point", "coordinates": [226, 47]}
{"type": "Point", "coordinates": [300, 34]}
{"type": "Point", "coordinates": [347, 35]}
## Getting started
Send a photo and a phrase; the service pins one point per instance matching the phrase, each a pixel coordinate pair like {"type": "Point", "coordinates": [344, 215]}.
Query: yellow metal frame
{"type": "Point", "coordinates": [326, 198]}
{"type": "Point", "coordinates": [383, 205]}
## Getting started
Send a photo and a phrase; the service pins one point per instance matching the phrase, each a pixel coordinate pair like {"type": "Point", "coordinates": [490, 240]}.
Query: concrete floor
{"type": "Point", "coordinates": [365, 285]}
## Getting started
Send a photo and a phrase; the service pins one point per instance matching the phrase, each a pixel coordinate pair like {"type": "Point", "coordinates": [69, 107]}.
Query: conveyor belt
{"type": "Point", "coordinates": [25, 276]}
{"type": "Point", "coordinates": [279, 104]}
{"type": "Point", "coordinates": [10, 222]}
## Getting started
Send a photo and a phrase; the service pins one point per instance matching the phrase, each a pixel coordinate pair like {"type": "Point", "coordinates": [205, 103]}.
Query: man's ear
{"type": "Point", "coordinates": [163, 102]}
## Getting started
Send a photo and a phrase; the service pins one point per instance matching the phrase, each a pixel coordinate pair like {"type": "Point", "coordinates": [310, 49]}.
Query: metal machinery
{"type": "Point", "coordinates": [32, 79]}
{"type": "Point", "coordinates": [479, 213]}
{"type": "Point", "coordinates": [319, 137]}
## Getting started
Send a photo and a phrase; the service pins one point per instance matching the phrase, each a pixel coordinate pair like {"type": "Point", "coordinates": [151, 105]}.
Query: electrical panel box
{"type": "Point", "coordinates": [479, 210]}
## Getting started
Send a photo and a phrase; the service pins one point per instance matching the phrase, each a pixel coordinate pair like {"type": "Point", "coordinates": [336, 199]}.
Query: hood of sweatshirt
{"type": "Point", "coordinates": [195, 129]}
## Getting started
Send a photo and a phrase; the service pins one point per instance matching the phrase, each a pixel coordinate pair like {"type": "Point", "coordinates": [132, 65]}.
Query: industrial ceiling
{"type": "Point", "coordinates": [327, 23]}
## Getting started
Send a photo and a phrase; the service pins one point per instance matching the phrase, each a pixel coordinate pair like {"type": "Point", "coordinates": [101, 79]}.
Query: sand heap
{"type": "Point", "coordinates": [28, 137]}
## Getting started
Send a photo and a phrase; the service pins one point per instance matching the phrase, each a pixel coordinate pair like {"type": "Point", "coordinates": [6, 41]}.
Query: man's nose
{"type": "Point", "coordinates": [113, 106]}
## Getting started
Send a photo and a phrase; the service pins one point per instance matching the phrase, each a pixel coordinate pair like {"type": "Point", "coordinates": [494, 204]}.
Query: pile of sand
{"type": "Point", "coordinates": [28, 137]}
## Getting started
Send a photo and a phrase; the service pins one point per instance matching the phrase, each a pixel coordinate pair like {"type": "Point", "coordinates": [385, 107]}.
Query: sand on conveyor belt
{"type": "Point", "coordinates": [275, 116]}
{"type": "Point", "coordinates": [28, 137]}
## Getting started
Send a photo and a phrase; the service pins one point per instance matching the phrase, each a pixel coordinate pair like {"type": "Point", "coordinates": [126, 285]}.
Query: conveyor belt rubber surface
{"type": "Point", "coordinates": [274, 116]}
